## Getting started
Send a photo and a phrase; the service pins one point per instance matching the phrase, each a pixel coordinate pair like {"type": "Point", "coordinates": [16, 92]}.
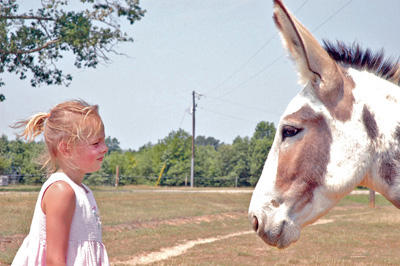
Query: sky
{"type": "Point", "coordinates": [228, 51]}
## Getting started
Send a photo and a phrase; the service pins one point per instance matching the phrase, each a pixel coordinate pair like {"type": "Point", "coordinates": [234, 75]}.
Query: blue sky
{"type": "Point", "coordinates": [227, 50]}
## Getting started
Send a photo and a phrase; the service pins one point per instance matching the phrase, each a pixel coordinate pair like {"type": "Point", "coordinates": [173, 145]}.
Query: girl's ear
{"type": "Point", "coordinates": [64, 148]}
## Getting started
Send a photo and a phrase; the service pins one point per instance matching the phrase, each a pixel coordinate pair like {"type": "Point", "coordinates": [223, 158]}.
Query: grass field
{"type": "Point", "coordinates": [186, 227]}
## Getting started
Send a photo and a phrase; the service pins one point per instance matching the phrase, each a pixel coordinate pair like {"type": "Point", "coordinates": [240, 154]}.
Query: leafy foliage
{"type": "Point", "coordinates": [21, 159]}
{"type": "Point", "coordinates": [32, 43]}
{"type": "Point", "coordinates": [113, 145]}
{"type": "Point", "coordinates": [216, 164]}
{"type": "Point", "coordinates": [205, 141]}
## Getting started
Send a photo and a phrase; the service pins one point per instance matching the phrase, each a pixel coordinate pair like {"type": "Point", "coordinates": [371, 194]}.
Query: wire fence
{"type": "Point", "coordinates": [112, 180]}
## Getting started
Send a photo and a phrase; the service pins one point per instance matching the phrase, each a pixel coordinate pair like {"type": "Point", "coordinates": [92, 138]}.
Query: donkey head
{"type": "Point", "coordinates": [313, 162]}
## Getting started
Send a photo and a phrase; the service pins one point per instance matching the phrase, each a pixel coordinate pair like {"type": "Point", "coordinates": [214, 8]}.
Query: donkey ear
{"type": "Point", "coordinates": [313, 62]}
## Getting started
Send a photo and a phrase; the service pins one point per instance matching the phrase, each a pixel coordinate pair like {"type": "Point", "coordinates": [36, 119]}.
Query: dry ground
{"type": "Point", "coordinates": [176, 228]}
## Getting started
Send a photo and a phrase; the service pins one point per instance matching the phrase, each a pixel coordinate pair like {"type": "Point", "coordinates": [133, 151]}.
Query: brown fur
{"type": "Point", "coordinates": [387, 168]}
{"type": "Point", "coordinates": [303, 165]}
{"type": "Point", "coordinates": [397, 133]}
{"type": "Point", "coordinates": [340, 101]}
{"type": "Point", "coordinates": [370, 123]}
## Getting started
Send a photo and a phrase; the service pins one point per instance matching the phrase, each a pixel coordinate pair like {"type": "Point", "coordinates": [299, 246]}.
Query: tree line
{"type": "Point", "coordinates": [216, 163]}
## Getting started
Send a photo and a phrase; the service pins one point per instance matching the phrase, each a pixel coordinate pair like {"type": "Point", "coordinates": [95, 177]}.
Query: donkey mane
{"type": "Point", "coordinates": [355, 56]}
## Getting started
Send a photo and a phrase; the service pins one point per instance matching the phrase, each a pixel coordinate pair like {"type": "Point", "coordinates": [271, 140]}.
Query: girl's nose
{"type": "Point", "coordinates": [104, 148]}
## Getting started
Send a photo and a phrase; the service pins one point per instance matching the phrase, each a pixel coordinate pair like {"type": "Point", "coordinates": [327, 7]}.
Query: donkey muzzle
{"type": "Point", "coordinates": [278, 234]}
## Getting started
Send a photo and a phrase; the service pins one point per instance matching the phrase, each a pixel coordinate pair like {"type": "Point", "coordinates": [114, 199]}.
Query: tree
{"type": "Point", "coordinates": [148, 161]}
{"type": "Point", "coordinates": [177, 155]}
{"type": "Point", "coordinates": [260, 145]}
{"type": "Point", "coordinates": [5, 162]}
{"type": "Point", "coordinates": [24, 160]}
{"type": "Point", "coordinates": [203, 141]}
{"type": "Point", "coordinates": [206, 167]}
{"type": "Point", "coordinates": [113, 145]}
{"type": "Point", "coordinates": [240, 160]}
{"type": "Point", "coordinates": [33, 42]}
{"type": "Point", "coordinates": [125, 162]}
{"type": "Point", "coordinates": [264, 129]}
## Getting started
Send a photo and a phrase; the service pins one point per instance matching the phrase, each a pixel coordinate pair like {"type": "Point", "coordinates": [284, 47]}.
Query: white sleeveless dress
{"type": "Point", "coordinates": [85, 244]}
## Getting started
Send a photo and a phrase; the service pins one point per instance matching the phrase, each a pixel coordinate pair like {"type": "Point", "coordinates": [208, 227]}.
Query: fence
{"type": "Point", "coordinates": [110, 180]}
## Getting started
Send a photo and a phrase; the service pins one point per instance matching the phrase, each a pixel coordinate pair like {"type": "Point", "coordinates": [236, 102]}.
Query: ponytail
{"type": "Point", "coordinates": [33, 126]}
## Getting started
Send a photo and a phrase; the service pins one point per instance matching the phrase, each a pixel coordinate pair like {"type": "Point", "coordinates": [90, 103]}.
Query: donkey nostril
{"type": "Point", "coordinates": [255, 223]}
{"type": "Point", "coordinates": [275, 203]}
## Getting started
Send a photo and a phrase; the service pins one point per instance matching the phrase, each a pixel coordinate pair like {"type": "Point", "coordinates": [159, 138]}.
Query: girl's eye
{"type": "Point", "coordinates": [290, 131]}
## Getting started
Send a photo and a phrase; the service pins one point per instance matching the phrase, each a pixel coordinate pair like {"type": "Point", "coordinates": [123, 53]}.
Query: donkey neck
{"type": "Point", "coordinates": [378, 103]}
{"type": "Point", "coordinates": [381, 99]}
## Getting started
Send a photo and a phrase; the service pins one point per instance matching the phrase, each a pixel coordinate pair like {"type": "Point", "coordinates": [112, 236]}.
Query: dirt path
{"type": "Point", "coordinates": [177, 250]}
{"type": "Point", "coordinates": [166, 253]}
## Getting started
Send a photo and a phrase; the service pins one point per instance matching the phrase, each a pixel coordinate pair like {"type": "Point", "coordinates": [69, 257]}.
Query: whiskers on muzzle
{"type": "Point", "coordinates": [278, 234]}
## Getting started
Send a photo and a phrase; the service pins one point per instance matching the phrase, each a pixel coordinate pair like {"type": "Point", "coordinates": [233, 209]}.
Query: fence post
{"type": "Point", "coordinates": [116, 175]}
{"type": "Point", "coordinates": [371, 198]}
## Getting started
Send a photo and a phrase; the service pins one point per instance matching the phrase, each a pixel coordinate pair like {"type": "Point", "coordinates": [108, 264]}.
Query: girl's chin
{"type": "Point", "coordinates": [95, 168]}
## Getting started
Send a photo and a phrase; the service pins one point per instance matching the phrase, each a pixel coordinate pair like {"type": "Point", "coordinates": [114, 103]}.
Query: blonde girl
{"type": "Point", "coordinates": [66, 228]}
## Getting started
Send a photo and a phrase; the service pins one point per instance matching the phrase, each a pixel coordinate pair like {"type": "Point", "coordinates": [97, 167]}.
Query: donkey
{"type": "Point", "coordinates": [342, 130]}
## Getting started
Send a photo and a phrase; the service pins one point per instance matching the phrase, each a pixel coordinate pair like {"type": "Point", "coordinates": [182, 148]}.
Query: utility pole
{"type": "Point", "coordinates": [193, 132]}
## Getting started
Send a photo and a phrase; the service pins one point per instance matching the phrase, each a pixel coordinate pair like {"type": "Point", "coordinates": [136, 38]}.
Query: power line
{"type": "Point", "coordinates": [261, 70]}
{"type": "Point", "coordinates": [331, 16]}
{"type": "Point", "coordinates": [226, 115]}
{"type": "Point", "coordinates": [300, 7]}
{"type": "Point", "coordinates": [236, 104]}
{"type": "Point", "coordinates": [183, 117]}
{"type": "Point", "coordinates": [280, 56]}
{"type": "Point", "coordinates": [243, 65]}
{"type": "Point", "coordinates": [253, 76]}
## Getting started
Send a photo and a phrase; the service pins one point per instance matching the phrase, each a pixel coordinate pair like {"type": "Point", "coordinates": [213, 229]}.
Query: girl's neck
{"type": "Point", "coordinates": [74, 175]}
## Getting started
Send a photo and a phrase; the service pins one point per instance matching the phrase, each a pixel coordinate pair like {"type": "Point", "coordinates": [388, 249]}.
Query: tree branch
{"type": "Point", "coordinates": [31, 50]}
{"type": "Point", "coordinates": [25, 17]}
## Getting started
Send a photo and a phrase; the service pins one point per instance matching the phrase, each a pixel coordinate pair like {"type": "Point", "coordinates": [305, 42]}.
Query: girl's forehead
{"type": "Point", "coordinates": [91, 127]}
{"type": "Point", "coordinates": [97, 136]}
{"type": "Point", "coordinates": [100, 135]}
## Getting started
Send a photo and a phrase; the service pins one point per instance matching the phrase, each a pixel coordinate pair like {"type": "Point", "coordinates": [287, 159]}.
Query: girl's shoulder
{"type": "Point", "coordinates": [80, 190]}
{"type": "Point", "coordinates": [59, 176]}
{"type": "Point", "coordinates": [60, 188]}
{"type": "Point", "coordinates": [53, 183]}
{"type": "Point", "coordinates": [57, 188]}
{"type": "Point", "coordinates": [53, 178]}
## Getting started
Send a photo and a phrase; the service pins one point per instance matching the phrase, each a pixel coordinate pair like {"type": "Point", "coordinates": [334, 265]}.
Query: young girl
{"type": "Point", "coordinates": [66, 228]}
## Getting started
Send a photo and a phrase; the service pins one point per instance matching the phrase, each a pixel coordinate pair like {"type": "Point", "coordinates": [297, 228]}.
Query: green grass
{"type": "Point", "coordinates": [363, 199]}
{"type": "Point", "coordinates": [19, 188]}
{"type": "Point", "coordinates": [137, 221]}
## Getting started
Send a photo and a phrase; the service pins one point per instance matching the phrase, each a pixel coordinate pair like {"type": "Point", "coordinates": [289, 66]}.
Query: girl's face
{"type": "Point", "coordinates": [88, 155]}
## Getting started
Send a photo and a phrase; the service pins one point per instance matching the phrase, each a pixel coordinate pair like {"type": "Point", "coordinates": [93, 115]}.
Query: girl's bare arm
{"type": "Point", "coordinates": [59, 205]}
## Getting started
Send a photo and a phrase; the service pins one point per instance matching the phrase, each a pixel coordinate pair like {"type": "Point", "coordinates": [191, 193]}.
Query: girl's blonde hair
{"type": "Point", "coordinates": [68, 121]}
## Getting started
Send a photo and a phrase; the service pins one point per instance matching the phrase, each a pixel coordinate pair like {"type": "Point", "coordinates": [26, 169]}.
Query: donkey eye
{"type": "Point", "coordinates": [289, 131]}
